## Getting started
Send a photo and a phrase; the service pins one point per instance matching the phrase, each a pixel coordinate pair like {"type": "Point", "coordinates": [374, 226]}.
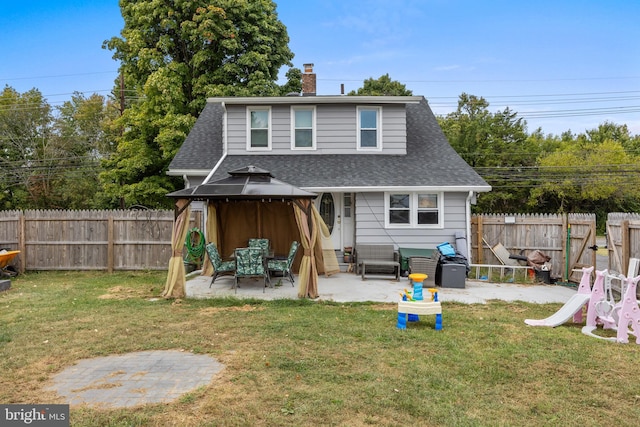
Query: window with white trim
{"type": "Point", "coordinates": [369, 128]}
{"type": "Point", "coordinates": [303, 124]}
{"type": "Point", "coordinates": [427, 209]}
{"type": "Point", "coordinates": [259, 128]}
{"type": "Point", "coordinates": [413, 210]}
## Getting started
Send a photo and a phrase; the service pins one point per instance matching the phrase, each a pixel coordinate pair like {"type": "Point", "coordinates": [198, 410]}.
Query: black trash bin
{"type": "Point", "coordinates": [543, 276]}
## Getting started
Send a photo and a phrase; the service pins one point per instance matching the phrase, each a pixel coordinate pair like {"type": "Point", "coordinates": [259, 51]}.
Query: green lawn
{"type": "Point", "coordinates": [305, 363]}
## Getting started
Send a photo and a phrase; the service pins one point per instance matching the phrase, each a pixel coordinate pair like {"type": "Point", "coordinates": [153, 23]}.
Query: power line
{"type": "Point", "coordinates": [495, 80]}
{"type": "Point", "coordinates": [53, 76]}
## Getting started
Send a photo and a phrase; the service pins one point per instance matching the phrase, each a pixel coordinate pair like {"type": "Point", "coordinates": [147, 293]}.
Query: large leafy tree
{"type": "Point", "coordinates": [173, 55]}
{"type": "Point", "coordinates": [382, 86]}
{"type": "Point", "coordinates": [497, 146]}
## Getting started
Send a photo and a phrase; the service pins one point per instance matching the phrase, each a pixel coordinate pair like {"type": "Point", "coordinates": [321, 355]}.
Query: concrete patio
{"type": "Point", "coordinates": [349, 287]}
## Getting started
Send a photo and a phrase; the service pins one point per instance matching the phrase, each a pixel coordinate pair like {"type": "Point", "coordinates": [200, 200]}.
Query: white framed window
{"type": "Point", "coordinates": [303, 128]}
{"type": "Point", "coordinates": [369, 128]}
{"type": "Point", "coordinates": [413, 210]}
{"type": "Point", "coordinates": [258, 128]}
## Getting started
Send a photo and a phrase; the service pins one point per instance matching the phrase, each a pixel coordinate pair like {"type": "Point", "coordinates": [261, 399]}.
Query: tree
{"type": "Point", "coordinates": [25, 129]}
{"type": "Point", "coordinates": [383, 86]}
{"type": "Point", "coordinates": [588, 179]}
{"type": "Point", "coordinates": [496, 145]}
{"type": "Point", "coordinates": [50, 161]}
{"type": "Point", "coordinates": [173, 56]}
{"type": "Point", "coordinates": [82, 133]}
{"type": "Point", "coordinates": [294, 82]}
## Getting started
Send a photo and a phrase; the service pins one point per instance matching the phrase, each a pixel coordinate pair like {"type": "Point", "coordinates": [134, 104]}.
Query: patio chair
{"type": "Point", "coordinates": [250, 263]}
{"type": "Point", "coordinates": [219, 267]}
{"type": "Point", "coordinates": [284, 265]}
{"type": "Point", "coordinates": [263, 244]}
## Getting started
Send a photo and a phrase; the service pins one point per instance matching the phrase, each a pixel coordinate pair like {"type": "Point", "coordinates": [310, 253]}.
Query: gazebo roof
{"type": "Point", "coordinates": [248, 183]}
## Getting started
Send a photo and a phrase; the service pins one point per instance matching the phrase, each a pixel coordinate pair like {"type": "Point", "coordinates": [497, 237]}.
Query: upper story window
{"type": "Point", "coordinates": [303, 125]}
{"type": "Point", "coordinates": [419, 210]}
{"type": "Point", "coordinates": [259, 128]}
{"type": "Point", "coordinates": [369, 128]}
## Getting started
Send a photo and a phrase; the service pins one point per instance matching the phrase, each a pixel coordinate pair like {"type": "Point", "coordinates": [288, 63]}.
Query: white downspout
{"type": "Point", "coordinates": [468, 220]}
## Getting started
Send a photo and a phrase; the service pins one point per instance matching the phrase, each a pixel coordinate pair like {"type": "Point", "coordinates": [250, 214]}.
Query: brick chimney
{"type": "Point", "coordinates": [308, 81]}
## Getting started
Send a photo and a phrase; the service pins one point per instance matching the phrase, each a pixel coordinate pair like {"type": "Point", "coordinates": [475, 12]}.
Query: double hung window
{"type": "Point", "coordinates": [369, 128]}
{"type": "Point", "coordinates": [419, 210]}
{"type": "Point", "coordinates": [259, 128]}
{"type": "Point", "coordinates": [303, 124]}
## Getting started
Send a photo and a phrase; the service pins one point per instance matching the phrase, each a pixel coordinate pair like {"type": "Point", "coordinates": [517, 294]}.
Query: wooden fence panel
{"type": "Point", "coordinates": [142, 240]}
{"type": "Point", "coordinates": [623, 240]}
{"type": "Point", "coordinates": [90, 239]}
{"type": "Point", "coordinates": [10, 234]}
{"type": "Point", "coordinates": [521, 234]}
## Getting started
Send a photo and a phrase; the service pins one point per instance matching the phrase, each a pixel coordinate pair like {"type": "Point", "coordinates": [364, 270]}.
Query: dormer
{"type": "Point", "coordinates": [291, 125]}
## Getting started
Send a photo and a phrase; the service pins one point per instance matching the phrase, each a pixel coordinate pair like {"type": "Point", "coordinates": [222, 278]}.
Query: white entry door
{"type": "Point", "coordinates": [336, 209]}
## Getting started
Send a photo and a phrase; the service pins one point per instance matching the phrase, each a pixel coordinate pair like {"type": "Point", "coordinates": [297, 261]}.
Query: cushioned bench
{"type": "Point", "coordinates": [378, 258]}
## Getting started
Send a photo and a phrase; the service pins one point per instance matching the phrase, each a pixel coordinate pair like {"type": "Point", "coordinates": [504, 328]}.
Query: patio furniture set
{"type": "Point", "coordinates": [383, 258]}
{"type": "Point", "coordinates": [255, 260]}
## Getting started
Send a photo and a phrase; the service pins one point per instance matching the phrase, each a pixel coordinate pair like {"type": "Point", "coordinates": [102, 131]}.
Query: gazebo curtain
{"type": "Point", "coordinates": [308, 274]}
{"type": "Point", "coordinates": [211, 234]}
{"type": "Point", "coordinates": [174, 287]}
{"type": "Point", "coordinates": [329, 260]}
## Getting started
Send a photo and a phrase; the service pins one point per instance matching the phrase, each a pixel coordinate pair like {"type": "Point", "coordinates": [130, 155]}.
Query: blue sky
{"type": "Point", "coordinates": [562, 65]}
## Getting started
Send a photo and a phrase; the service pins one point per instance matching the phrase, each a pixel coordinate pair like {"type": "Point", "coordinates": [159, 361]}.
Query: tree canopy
{"type": "Point", "coordinates": [50, 160]}
{"type": "Point", "coordinates": [596, 171]}
{"type": "Point", "coordinates": [173, 56]}
{"type": "Point", "coordinates": [382, 86]}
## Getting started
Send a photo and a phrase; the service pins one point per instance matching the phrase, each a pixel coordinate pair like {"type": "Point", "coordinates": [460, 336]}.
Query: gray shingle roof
{"type": "Point", "coordinates": [430, 161]}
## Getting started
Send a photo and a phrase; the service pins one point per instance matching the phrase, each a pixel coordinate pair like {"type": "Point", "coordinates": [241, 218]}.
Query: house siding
{"type": "Point", "coordinates": [336, 130]}
{"type": "Point", "coordinates": [370, 214]}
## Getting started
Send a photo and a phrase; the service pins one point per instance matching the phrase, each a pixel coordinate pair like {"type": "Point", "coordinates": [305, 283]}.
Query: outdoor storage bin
{"type": "Point", "coordinates": [453, 275]}
{"type": "Point", "coordinates": [406, 253]}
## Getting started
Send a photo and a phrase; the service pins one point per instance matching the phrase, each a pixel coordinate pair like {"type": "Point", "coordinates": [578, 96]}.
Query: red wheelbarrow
{"type": "Point", "coordinates": [6, 257]}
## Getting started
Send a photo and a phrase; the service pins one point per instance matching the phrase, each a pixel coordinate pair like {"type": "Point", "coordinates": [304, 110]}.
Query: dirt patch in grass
{"type": "Point", "coordinates": [122, 292]}
{"type": "Point", "coordinates": [215, 310]}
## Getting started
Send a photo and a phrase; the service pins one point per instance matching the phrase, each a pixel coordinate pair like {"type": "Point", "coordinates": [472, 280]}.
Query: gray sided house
{"type": "Point", "coordinates": [381, 166]}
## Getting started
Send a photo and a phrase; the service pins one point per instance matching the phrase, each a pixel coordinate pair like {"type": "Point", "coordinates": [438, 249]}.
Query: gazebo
{"type": "Point", "coordinates": [252, 203]}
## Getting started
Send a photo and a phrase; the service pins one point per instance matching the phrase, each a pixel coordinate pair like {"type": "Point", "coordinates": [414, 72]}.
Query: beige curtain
{"type": "Point", "coordinates": [175, 285]}
{"type": "Point", "coordinates": [330, 261]}
{"type": "Point", "coordinates": [308, 274]}
{"type": "Point", "coordinates": [211, 235]}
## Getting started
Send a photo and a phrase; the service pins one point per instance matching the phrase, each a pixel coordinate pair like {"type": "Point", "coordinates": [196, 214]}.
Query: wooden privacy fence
{"type": "Point", "coordinates": [569, 239]}
{"type": "Point", "coordinates": [90, 239]}
{"type": "Point", "coordinates": [623, 240]}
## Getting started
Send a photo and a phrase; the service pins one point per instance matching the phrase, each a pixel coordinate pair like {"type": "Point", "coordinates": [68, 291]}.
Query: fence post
{"type": "Point", "coordinates": [480, 241]}
{"type": "Point", "coordinates": [21, 244]}
{"type": "Point", "coordinates": [110, 244]}
{"type": "Point", "coordinates": [566, 230]}
{"type": "Point", "coordinates": [625, 245]}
